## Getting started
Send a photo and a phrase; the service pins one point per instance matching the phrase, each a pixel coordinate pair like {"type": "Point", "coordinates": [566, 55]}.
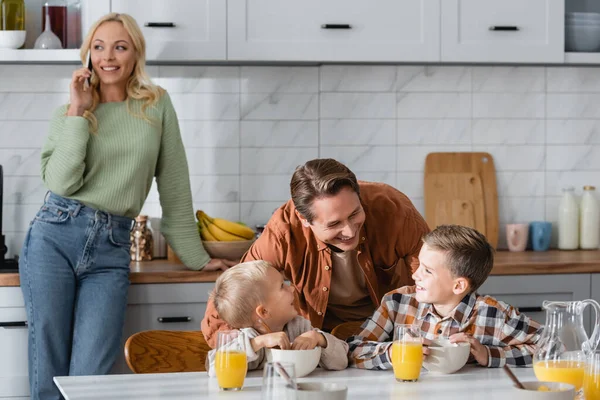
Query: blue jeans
{"type": "Point", "coordinates": [74, 271]}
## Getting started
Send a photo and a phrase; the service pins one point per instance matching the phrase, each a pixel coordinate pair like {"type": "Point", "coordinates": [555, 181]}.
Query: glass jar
{"type": "Point", "coordinates": [589, 222]}
{"type": "Point", "coordinates": [57, 11]}
{"type": "Point", "coordinates": [12, 15]}
{"type": "Point", "coordinates": [142, 242]}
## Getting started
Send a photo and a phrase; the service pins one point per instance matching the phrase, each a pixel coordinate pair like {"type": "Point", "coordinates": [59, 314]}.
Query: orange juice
{"type": "Point", "coordinates": [560, 371]}
{"type": "Point", "coordinates": [407, 358]}
{"type": "Point", "coordinates": [230, 368]}
{"type": "Point", "coordinates": [591, 386]}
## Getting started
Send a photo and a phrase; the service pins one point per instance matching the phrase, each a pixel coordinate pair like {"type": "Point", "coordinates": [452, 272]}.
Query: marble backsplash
{"type": "Point", "coordinates": [247, 128]}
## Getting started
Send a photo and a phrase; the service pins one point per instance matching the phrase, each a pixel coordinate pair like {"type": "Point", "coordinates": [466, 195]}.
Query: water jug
{"type": "Point", "coordinates": [564, 347]}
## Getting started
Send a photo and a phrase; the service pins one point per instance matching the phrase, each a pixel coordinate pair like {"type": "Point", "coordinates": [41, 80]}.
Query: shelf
{"type": "Point", "coordinates": [582, 58]}
{"type": "Point", "coordinates": [41, 56]}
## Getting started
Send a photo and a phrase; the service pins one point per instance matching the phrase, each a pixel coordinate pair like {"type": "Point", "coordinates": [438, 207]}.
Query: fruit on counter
{"type": "Point", "coordinates": [220, 229]}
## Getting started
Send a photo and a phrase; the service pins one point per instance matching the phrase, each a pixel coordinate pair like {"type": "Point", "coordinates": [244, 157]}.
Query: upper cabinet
{"type": "Point", "coordinates": [503, 31]}
{"type": "Point", "coordinates": [180, 30]}
{"type": "Point", "coordinates": [333, 30]}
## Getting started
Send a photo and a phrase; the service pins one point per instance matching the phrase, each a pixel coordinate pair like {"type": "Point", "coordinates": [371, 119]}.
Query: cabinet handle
{"type": "Point", "coordinates": [16, 324]}
{"type": "Point", "coordinates": [504, 28]}
{"type": "Point", "coordinates": [160, 24]}
{"type": "Point", "coordinates": [336, 26]}
{"type": "Point", "coordinates": [170, 320]}
{"type": "Point", "coordinates": [530, 309]}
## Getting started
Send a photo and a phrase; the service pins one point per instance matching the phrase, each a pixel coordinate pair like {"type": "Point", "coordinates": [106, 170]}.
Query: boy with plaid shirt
{"type": "Point", "coordinates": [453, 263]}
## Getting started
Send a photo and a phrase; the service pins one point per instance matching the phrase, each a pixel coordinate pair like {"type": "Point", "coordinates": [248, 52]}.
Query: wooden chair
{"type": "Point", "coordinates": [345, 330]}
{"type": "Point", "coordinates": [166, 351]}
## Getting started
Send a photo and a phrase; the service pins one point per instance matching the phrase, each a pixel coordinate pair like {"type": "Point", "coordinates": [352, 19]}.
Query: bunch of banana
{"type": "Point", "coordinates": [219, 229]}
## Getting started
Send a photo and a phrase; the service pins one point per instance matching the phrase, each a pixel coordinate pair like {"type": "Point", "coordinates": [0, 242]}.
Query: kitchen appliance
{"type": "Point", "coordinates": [6, 264]}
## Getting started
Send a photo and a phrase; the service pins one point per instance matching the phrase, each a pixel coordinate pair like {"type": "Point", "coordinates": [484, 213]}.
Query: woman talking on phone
{"type": "Point", "coordinates": [103, 151]}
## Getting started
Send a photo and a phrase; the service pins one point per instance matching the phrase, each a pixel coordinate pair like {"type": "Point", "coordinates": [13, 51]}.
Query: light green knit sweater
{"type": "Point", "coordinates": [112, 170]}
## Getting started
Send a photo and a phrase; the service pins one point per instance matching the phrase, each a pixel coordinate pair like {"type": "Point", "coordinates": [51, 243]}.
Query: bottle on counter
{"type": "Point", "coordinates": [12, 15]}
{"type": "Point", "coordinates": [142, 243]}
{"type": "Point", "coordinates": [589, 234]}
{"type": "Point", "coordinates": [568, 220]}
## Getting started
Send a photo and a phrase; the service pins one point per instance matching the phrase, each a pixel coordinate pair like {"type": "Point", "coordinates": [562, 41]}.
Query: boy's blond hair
{"type": "Point", "coordinates": [468, 253]}
{"type": "Point", "coordinates": [239, 290]}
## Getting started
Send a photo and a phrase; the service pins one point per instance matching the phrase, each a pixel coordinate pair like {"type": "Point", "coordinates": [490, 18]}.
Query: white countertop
{"type": "Point", "coordinates": [469, 383]}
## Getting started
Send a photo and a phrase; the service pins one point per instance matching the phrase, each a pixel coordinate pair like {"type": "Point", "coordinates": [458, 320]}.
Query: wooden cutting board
{"type": "Point", "coordinates": [458, 200]}
{"type": "Point", "coordinates": [478, 164]}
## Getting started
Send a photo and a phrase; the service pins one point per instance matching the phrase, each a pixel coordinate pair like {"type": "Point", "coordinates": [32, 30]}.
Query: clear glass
{"type": "Point", "coordinates": [564, 346]}
{"type": "Point", "coordinates": [591, 379]}
{"type": "Point", "coordinates": [142, 241]}
{"type": "Point", "coordinates": [231, 364]}
{"type": "Point", "coordinates": [279, 381]}
{"type": "Point", "coordinates": [407, 353]}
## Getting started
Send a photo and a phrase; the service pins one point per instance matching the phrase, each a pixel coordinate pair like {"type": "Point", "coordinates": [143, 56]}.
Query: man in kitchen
{"type": "Point", "coordinates": [341, 243]}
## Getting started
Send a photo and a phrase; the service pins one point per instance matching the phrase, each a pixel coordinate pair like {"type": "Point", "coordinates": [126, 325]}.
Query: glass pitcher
{"type": "Point", "coordinates": [564, 346]}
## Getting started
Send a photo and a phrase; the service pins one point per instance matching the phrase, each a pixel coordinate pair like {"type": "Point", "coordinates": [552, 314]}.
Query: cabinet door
{"type": "Point", "coordinates": [179, 30]}
{"type": "Point", "coordinates": [528, 292]}
{"type": "Point", "coordinates": [92, 11]}
{"type": "Point", "coordinates": [333, 30]}
{"type": "Point", "coordinates": [176, 306]}
{"type": "Point", "coordinates": [14, 380]}
{"type": "Point", "coordinates": [503, 31]}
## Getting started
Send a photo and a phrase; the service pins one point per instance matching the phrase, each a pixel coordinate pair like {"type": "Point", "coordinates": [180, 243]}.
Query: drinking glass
{"type": "Point", "coordinates": [407, 353]}
{"type": "Point", "coordinates": [230, 360]}
{"type": "Point", "coordinates": [279, 381]}
{"type": "Point", "coordinates": [591, 378]}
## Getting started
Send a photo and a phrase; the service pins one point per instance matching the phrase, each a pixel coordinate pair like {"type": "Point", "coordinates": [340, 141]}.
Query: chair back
{"type": "Point", "coordinates": [166, 351]}
{"type": "Point", "coordinates": [344, 330]}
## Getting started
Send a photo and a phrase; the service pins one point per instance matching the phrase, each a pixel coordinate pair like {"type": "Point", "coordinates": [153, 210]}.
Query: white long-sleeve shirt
{"type": "Point", "coordinates": [333, 357]}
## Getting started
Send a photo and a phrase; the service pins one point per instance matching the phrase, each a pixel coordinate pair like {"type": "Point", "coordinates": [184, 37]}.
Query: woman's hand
{"type": "Point", "coordinates": [216, 264]}
{"type": "Point", "coordinates": [81, 95]}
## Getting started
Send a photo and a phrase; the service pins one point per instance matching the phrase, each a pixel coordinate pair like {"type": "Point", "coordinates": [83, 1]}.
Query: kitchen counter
{"type": "Point", "coordinates": [506, 263]}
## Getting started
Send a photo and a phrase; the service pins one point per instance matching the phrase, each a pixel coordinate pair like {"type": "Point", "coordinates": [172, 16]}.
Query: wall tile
{"type": "Point", "coordinates": [363, 158]}
{"type": "Point", "coordinates": [572, 79]}
{"type": "Point", "coordinates": [573, 131]}
{"type": "Point", "coordinates": [358, 105]}
{"type": "Point", "coordinates": [210, 133]}
{"type": "Point", "coordinates": [433, 79]}
{"type": "Point", "coordinates": [580, 105]}
{"type": "Point", "coordinates": [279, 106]}
{"type": "Point", "coordinates": [573, 158]}
{"type": "Point", "coordinates": [508, 79]}
{"type": "Point", "coordinates": [276, 160]}
{"type": "Point", "coordinates": [434, 131]}
{"type": "Point", "coordinates": [206, 106]}
{"type": "Point", "coordinates": [258, 212]}
{"type": "Point", "coordinates": [516, 158]}
{"type": "Point", "coordinates": [508, 105]}
{"type": "Point", "coordinates": [222, 188]}
{"type": "Point", "coordinates": [358, 78]}
{"type": "Point", "coordinates": [521, 184]}
{"type": "Point", "coordinates": [433, 105]}
{"type": "Point", "coordinates": [514, 210]}
{"type": "Point", "coordinates": [280, 79]}
{"type": "Point", "coordinates": [30, 106]}
{"type": "Point", "coordinates": [23, 134]}
{"type": "Point", "coordinates": [358, 132]}
{"type": "Point", "coordinates": [557, 180]}
{"type": "Point", "coordinates": [411, 183]}
{"type": "Point", "coordinates": [412, 158]}
{"type": "Point", "coordinates": [386, 177]}
{"type": "Point", "coordinates": [508, 131]}
{"type": "Point", "coordinates": [24, 190]}
{"type": "Point", "coordinates": [196, 79]}
{"type": "Point", "coordinates": [20, 162]}
{"type": "Point", "coordinates": [279, 133]}
{"type": "Point", "coordinates": [36, 78]}
{"type": "Point", "coordinates": [218, 161]}
{"type": "Point", "coordinates": [274, 188]}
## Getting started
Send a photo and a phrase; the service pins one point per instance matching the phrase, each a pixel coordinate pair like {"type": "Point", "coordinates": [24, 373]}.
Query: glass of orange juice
{"type": "Point", "coordinates": [568, 368]}
{"type": "Point", "coordinates": [591, 378]}
{"type": "Point", "coordinates": [230, 360]}
{"type": "Point", "coordinates": [407, 353]}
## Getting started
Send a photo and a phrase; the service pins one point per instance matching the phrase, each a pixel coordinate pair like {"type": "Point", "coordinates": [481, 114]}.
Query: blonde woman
{"type": "Point", "coordinates": [103, 151]}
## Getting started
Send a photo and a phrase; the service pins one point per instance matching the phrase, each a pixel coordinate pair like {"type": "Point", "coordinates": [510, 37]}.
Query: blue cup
{"type": "Point", "coordinates": [540, 233]}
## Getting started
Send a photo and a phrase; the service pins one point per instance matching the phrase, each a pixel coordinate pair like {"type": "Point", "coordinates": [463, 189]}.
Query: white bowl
{"type": "Point", "coordinates": [305, 361]}
{"type": "Point", "coordinates": [321, 391]}
{"type": "Point", "coordinates": [559, 391]}
{"type": "Point", "coordinates": [445, 357]}
{"type": "Point", "coordinates": [12, 39]}
{"type": "Point", "coordinates": [583, 38]}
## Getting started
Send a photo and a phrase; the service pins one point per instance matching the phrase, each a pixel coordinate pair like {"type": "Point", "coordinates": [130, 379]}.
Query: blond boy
{"type": "Point", "coordinates": [254, 298]}
{"type": "Point", "coordinates": [454, 261]}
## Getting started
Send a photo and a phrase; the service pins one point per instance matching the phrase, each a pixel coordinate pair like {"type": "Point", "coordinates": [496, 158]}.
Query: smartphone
{"type": "Point", "coordinates": [89, 65]}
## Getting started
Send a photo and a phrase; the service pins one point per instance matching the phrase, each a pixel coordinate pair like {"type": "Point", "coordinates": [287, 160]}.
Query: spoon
{"type": "Point", "coordinates": [279, 368]}
{"type": "Point", "coordinates": [513, 378]}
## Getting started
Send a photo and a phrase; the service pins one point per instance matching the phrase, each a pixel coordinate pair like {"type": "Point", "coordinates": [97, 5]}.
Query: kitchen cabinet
{"type": "Point", "coordinates": [527, 292]}
{"type": "Point", "coordinates": [503, 31]}
{"type": "Point", "coordinates": [171, 306]}
{"type": "Point", "coordinates": [334, 30]}
{"type": "Point", "coordinates": [14, 381]}
{"type": "Point", "coordinates": [179, 30]}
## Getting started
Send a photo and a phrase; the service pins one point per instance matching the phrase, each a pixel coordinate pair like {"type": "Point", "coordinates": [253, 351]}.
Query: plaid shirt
{"type": "Point", "coordinates": [509, 336]}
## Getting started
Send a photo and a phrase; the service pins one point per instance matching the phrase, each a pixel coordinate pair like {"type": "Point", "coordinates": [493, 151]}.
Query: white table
{"type": "Point", "coordinates": [470, 383]}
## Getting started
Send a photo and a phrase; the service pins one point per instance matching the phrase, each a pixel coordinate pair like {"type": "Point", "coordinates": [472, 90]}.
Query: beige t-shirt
{"type": "Point", "coordinates": [349, 298]}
